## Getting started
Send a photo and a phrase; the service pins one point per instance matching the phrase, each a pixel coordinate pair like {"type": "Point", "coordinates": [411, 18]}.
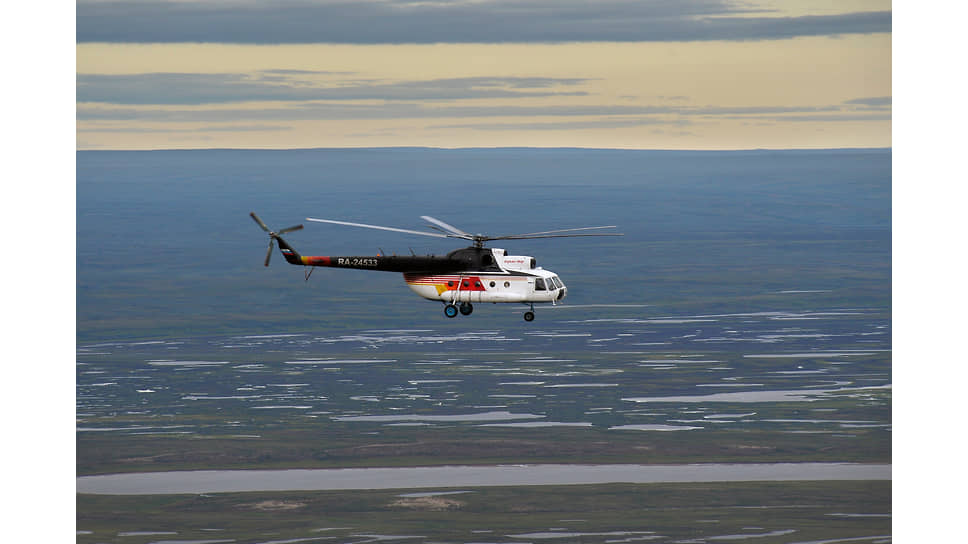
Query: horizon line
{"type": "Point", "coordinates": [494, 148]}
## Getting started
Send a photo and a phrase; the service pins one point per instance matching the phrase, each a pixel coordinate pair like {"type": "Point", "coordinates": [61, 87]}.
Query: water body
{"type": "Point", "coordinates": [238, 481]}
{"type": "Point", "coordinates": [164, 243]}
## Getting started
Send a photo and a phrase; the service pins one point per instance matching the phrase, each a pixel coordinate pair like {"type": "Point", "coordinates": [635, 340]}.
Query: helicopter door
{"type": "Point", "coordinates": [475, 290]}
{"type": "Point", "coordinates": [468, 290]}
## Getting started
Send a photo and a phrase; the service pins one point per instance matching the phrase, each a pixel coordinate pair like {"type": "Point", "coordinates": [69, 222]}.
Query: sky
{"type": "Point", "coordinates": [659, 74]}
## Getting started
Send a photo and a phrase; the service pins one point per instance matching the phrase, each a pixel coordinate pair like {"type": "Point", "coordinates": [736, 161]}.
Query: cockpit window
{"type": "Point", "coordinates": [539, 284]}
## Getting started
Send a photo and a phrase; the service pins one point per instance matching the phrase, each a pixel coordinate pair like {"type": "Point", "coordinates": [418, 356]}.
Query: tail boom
{"type": "Point", "coordinates": [386, 263]}
{"type": "Point", "coordinates": [383, 263]}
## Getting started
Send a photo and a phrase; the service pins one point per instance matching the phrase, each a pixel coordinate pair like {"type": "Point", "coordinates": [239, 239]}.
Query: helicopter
{"type": "Point", "coordinates": [459, 279]}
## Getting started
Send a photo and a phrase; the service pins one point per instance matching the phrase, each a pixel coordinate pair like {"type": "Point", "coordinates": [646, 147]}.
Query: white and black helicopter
{"type": "Point", "coordinates": [465, 276]}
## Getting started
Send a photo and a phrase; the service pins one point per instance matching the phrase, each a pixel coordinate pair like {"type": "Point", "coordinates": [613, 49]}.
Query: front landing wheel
{"type": "Point", "coordinates": [529, 316]}
{"type": "Point", "coordinates": [450, 310]}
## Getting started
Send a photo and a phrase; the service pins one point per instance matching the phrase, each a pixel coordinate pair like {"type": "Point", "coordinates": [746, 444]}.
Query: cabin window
{"type": "Point", "coordinates": [539, 284]}
{"type": "Point", "coordinates": [467, 283]}
{"type": "Point", "coordinates": [507, 284]}
{"type": "Point", "coordinates": [492, 284]}
{"type": "Point", "coordinates": [477, 284]}
{"type": "Point", "coordinates": [450, 284]}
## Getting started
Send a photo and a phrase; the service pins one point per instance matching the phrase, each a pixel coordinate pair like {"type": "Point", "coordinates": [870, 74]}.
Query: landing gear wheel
{"type": "Point", "coordinates": [529, 316]}
{"type": "Point", "coordinates": [466, 308]}
{"type": "Point", "coordinates": [450, 310]}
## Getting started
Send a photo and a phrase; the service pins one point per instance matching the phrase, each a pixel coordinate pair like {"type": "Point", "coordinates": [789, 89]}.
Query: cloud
{"type": "Point", "coordinates": [455, 21]}
{"type": "Point", "coordinates": [568, 125]}
{"type": "Point", "coordinates": [345, 111]}
{"type": "Point", "coordinates": [582, 115]}
{"type": "Point", "coordinates": [213, 128]}
{"type": "Point", "coordinates": [873, 101]}
{"type": "Point", "coordinates": [284, 85]}
{"type": "Point", "coordinates": [834, 118]}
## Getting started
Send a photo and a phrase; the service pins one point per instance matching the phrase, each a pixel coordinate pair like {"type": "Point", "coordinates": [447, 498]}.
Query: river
{"type": "Point", "coordinates": [236, 481]}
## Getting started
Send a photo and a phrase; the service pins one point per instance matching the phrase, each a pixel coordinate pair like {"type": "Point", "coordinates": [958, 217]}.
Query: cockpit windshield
{"type": "Point", "coordinates": [547, 284]}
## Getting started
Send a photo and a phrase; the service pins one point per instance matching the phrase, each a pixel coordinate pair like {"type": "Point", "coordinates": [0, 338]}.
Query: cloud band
{"type": "Point", "coordinates": [488, 21]}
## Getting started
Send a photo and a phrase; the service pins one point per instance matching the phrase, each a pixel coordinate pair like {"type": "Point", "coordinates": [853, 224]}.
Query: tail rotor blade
{"type": "Point", "coordinates": [259, 222]}
{"type": "Point", "coordinates": [290, 229]}
{"type": "Point", "coordinates": [269, 251]}
{"type": "Point", "coordinates": [272, 235]}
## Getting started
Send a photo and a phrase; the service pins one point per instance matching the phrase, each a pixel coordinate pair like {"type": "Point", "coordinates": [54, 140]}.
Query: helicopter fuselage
{"type": "Point", "coordinates": [509, 278]}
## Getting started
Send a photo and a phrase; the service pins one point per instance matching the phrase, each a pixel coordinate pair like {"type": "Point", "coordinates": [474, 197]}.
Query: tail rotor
{"type": "Point", "coordinates": [272, 235]}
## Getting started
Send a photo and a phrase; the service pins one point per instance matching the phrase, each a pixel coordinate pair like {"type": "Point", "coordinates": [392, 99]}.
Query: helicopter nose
{"type": "Point", "coordinates": [562, 292]}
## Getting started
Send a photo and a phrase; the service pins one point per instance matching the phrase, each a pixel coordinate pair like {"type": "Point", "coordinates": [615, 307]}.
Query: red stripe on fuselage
{"type": "Point", "coordinates": [464, 283]}
{"type": "Point", "coordinates": [317, 261]}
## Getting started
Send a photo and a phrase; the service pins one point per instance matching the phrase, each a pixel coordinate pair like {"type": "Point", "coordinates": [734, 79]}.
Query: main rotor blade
{"type": "Point", "coordinates": [259, 222]}
{"type": "Point", "coordinates": [449, 228]}
{"type": "Point", "coordinates": [422, 233]}
{"type": "Point", "coordinates": [269, 251]}
{"type": "Point", "coordinates": [566, 230]}
{"type": "Point", "coordinates": [531, 236]}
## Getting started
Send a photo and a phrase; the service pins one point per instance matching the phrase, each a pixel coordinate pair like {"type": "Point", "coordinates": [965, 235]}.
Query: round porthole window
{"type": "Point", "coordinates": [492, 284]}
{"type": "Point", "coordinates": [507, 284]}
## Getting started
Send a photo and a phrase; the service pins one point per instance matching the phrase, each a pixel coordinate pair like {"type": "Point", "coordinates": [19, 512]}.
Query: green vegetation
{"type": "Point", "coordinates": [793, 511]}
{"type": "Point", "coordinates": [344, 445]}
